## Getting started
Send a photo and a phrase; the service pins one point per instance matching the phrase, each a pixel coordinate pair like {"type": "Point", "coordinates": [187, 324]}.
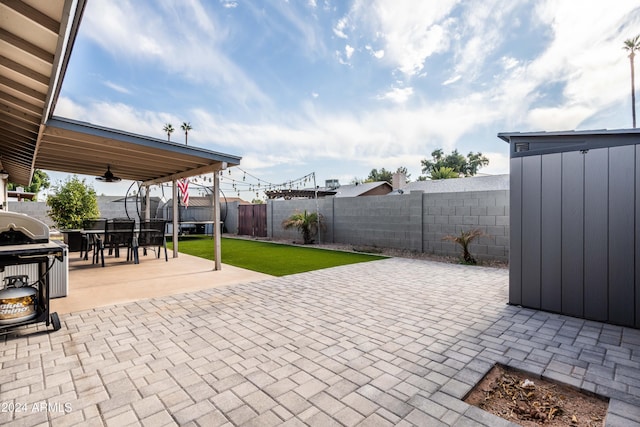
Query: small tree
{"type": "Point", "coordinates": [384, 175]}
{"type": "Point", "coordinates": [467, 166]}
{"type": "Point", "coordinates": [306, 223]}
{"type": "Point", "coordinates": [72, 203]}
{"type": "Point", "coordinates": [464, 240]}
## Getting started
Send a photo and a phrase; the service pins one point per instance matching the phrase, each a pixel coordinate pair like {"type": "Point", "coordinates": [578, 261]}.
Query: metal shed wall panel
{"type": "Point", "coordinates": [637, 251]}
{"type": "Point", "coordinates": [575, 229]}
{"type": "Point", "coordinates": [572, 223]}
{"type": "Point", "coordinates": [531, 198]}
{"type": "Point", "coordinates": [621, 234]}
{"type": "Point", "coordinates": [515, 232]}
{"type": "Point", "coordinates": [551, 238]}
{"type": "Point", "coordinates": [596, 209]}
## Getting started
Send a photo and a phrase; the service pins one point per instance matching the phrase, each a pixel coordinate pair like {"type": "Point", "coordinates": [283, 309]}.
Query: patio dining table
{"type": "Point", "coordinates": [134, 244]}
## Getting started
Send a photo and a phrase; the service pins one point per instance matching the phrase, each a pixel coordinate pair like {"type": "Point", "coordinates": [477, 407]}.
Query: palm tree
{"type": "Point", "coordinates": [306, 223]}
{"type": "Point", "coordinates": [444, 173]}
{"type": "Point", "coordinates": [168, 128]}
{"type": "Point", "coordinates": [464, 240]}
{"type": "Point", "coordinates": [632, 45]}
{"type": "Point", "coordinates": [186, 127]}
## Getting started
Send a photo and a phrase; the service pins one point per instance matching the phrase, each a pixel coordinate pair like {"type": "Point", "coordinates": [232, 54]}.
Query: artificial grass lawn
{"type": "Point", "coordinates": [270, 258]}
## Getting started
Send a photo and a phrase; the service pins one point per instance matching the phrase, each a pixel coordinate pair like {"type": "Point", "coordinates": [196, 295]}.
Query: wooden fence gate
{"type": "Point", "coordinates": [252, 220]}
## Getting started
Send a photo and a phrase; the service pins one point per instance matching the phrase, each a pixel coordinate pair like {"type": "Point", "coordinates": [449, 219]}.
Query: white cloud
{"type": "Point", "coordinates": [338, 30]}
{"type": "Point", "coordinates": [348, 51]}
{"type": "Point", "coordinates": [584, 59]}
{"type": "Point", "coordinates": [375, 53]}
{"type": "Point", "coordinates": [398, 95]}
{"type": "Point", "coordinates": [451, 80]}
{"type": "Point", "coordinates": [508, 62]}
{"type": "Point", "coordinates": [117, 87]}
{"type": "Point", "coordinates": [229, 4]}
{"type": "Point", "coordinates": [190, 49]}
{"type": "Point", "coordinates": [410, 31]}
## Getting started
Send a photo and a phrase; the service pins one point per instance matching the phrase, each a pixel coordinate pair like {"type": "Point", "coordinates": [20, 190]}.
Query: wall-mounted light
{"type": "Point", "coordinates": [4, 174]}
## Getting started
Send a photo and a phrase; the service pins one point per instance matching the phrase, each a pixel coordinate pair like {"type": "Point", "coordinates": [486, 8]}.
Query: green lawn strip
{"type": "Point", "coordinates": [270, 258]}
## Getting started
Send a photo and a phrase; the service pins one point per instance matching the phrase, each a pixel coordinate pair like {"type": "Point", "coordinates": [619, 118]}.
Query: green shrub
{"type": "Point", "coordinates": [72, 203]}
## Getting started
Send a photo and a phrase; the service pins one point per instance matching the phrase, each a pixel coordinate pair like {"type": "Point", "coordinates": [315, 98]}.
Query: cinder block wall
{"type": "Point", "coordinates": [452, 213]}
{"type": "Point", "coordinates": [417, 221]}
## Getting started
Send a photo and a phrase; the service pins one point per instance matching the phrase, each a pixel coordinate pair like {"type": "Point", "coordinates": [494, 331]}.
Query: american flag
{"type": "Point", "coordinates": [183, 185]}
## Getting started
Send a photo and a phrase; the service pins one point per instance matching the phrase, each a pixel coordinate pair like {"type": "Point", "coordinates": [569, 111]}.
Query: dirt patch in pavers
{"type": "Point", "coordinates": [529, 401]}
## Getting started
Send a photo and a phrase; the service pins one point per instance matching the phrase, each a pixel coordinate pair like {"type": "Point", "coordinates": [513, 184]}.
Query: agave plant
{"type": "Point", "coordinates": [306, 223]}
{"type": "Point", "coordinates": [464, 239]}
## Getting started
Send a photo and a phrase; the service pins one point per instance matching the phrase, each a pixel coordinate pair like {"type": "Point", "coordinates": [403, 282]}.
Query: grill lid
{"type": "Point", "coordinates": [17, 228]}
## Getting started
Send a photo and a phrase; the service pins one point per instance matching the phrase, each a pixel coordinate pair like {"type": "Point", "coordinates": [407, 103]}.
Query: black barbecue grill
{"type": "Point", "coordinates": [25, 300]}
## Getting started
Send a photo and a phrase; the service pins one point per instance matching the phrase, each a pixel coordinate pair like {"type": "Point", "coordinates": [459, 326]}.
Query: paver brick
{"type": "Point", "coordinates": [379, 343]}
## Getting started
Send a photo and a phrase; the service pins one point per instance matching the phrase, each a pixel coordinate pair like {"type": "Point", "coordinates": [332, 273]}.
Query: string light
{"type": "Point", "coordinates": [251, 185]}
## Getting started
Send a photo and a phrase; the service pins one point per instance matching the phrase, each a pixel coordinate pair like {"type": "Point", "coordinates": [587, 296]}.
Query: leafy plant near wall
{"type": "Point", "coordinates": [306, 223]}
{"type": "Point", "coordinates": [71, 203]}
{"type": "Point", "coordinates": [464, 240]}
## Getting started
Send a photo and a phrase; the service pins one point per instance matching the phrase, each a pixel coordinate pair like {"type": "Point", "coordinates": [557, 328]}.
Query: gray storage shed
{"type": "Point", "coordinates": [575, 223]}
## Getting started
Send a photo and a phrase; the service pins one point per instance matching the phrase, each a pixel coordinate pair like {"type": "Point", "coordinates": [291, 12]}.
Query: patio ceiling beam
{"type": "Point", "coordinates": [126, 167]}
{"type": "Point", "coordinates": [20, 104]}
{"type": "Point", "coordinates": [18, 125]}
{"type": "Point", "coordinates": [81, 167]}
{"type": "Point", "coordinates": [21, 157]}
{"type": "Point", "coordinates": [117, 150]}
{"type": "Point", "coordinates": [21, 89]}
{"type": "Point", "coordinates": [33, 15]}
{"type": "Point", "coordinates": [26, 72]}
{"type": "Point", "coordinates": [25, 46]}
{"type": "Point", "coordinates": [18, 132]}
{"type": "Point", "coordinates": [14, 113]}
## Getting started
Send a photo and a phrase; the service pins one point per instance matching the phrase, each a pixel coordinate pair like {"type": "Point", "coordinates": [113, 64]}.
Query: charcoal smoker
{"type": "Point", "coordinates": [25, 300]}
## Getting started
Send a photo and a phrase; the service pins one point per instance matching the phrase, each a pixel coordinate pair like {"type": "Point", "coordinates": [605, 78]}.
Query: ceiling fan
{"type": "Point", "coordinates": [108, 176]}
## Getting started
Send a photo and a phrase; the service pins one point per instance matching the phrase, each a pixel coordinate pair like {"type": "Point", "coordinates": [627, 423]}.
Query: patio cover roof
{"type": "Point", "coordinates": [77, 147]}
{"type": "Point", "coordinates": [36, 39]}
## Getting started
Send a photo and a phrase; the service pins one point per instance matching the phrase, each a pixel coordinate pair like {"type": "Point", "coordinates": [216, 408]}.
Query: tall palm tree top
{"type": "Point", "coordinates": [186, 126]}
{"type": "Point", "coordinates": [168, 128]}
{"type": "Point", "coordinates": [632, 44]}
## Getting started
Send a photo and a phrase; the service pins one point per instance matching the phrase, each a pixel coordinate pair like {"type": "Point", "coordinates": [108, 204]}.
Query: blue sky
{"type": "Point", "coordinates": [341, 87]}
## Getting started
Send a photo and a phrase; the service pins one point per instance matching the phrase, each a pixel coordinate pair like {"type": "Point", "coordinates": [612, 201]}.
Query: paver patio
{"type": "Point", "coordinates": [391, 342]}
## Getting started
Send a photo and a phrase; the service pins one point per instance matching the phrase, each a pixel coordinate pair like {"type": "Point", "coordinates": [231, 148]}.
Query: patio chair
{"type": "Point", "coordinates": [90, 240]}
{"type": "Point", "coordinates": [152, 235]}
{"type": "Point", "coordinates": [119, 234]}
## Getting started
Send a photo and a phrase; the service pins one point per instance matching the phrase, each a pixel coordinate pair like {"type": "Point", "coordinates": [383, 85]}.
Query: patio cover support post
{"type": "Point", "coordinates": [217, 251]}
{"type": "Point", "coordinates": [174, 199]}
{"type": "Point", "coordinates": [147, 201]}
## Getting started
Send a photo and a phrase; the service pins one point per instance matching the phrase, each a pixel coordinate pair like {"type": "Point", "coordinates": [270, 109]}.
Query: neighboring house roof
{"type": "Point", "coordinates": [453, 185]}
{"type": "Point", "coordinates": [233, 200]}
{"type": "Point", "coordinates": [197, 202]}
{"type": "Point", "coordinates": [111, 199]}
{"type": "Point", "coordinates": [206, 202]}
{"type": "Point", "coordinates": [378, 188]}
{"type": "Point", "coordinates": [305, 193]}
